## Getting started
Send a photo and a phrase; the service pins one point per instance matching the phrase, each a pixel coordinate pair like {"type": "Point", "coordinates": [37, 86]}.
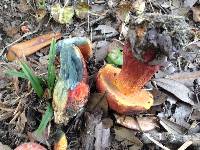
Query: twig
{"type": "Point", "coordinates": [156, 142]}
{"type": "Point", "coordinates": [172, 138]}
{"type": "Point", "coordinates": [185, 145]}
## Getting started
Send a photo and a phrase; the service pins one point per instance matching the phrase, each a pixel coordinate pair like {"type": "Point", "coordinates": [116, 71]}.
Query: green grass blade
{"type": "Point", "coordinates": [15, 73]}
{"type": "Point", "coordinates": [46, 118]}
{"type": "Point", "coordinates": [51, 66]}
{"type": "Point", "coordinates": [35, 81]}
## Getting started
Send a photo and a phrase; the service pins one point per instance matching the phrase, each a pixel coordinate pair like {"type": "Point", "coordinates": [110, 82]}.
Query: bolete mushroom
{"type": "Point", "coordinates": [124, 86]}
{"type": "Point", "coordinates": [71, 90]}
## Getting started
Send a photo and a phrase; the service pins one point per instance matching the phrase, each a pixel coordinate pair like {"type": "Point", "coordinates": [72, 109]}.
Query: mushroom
{"type": "Point", "coordinates": [30, 146]}
{"type": "Point", "coordinates": [71, 90]}
{"type": "Point", "coordinates": [124, 86]}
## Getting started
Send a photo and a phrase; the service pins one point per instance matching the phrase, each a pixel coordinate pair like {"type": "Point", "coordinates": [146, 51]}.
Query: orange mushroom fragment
{"type": "Point", "coordinates": [31, 46]}
{"type": "Point", "coordinates": [30, 146]}
{"type": "Point", "coordinates": [124, 86]}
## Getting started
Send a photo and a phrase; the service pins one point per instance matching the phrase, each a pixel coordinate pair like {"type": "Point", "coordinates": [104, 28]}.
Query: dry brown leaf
{"type": "Point", "coordinates": [196, 13]}
{"type": "Point", "coordinates": [97, 100]}
{"type": "Point", "coordinates": [176, 88]}
{"type": "Point", "coordinates": [123, 10]}
{"type": "Point", "coordinates": [122, 134]}
{"type": "Point", "coordinates": [172, 127]}
{"type": "Point", "coordinates": [159, 97]}
{"type": "Point", "coordinates": [143, 123]}
{"type": "Point", "coordinates": [21, 122]}
{"type": "Point", "coordinates": [139, 6]}
{"type": "Point", "coordinates": [101, 50]}
{"type": "Point", "coordinates": [186, 78]}
{"type": "Point", "coordinates": [23, 6]}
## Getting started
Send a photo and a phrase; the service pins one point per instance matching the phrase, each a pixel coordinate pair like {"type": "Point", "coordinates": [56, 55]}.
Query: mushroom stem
{"type": "Point", "coordinates": [124, 86]}
{"type": "Point", "coordinates": [134, 73]}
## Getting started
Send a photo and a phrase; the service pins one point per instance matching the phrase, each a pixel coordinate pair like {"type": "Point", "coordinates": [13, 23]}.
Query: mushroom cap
{"type": "Point", "coordinates": [30, 146]}
{"type": "Point", "coordinates": [138, 101]}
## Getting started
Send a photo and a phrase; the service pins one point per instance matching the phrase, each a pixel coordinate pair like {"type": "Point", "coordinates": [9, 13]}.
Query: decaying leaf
{"type": "Point", "coordinates": [108, 30]}
{"type": "Point", "coordinates": [97, 100]}
{"type": "Point", "coordinates": [159, 97]}
{"type": "Point", "coordinates": [23, 6]}
{"type": "Point", "coordinates": [40, 14]}
{"type": "Point", "coordinates": [139, 6]}
{"type": "Point", "coordinates": [101, 50]}
{"type": "Point", "coordinates": [61, 14]}
{"type": "Point", "coordinates": [196, 13]}
{"type": "Point", "coordinates": [123, 10]}
{"type": "Point", "coordinates": [122, 134]}
{"type": "Point", "coordinates": [143, 123]}
{"type": "Point", "coordinates": [21, 122]}
{"type": "Point", "coordinates": [82, 10]}
{"type": "Point", "coordinates": [176, 88]}
{"type": "Point", "coordinates": [186, 78]}
{"type": "Point", "coordinates": [182, 113]}
{"type": "Point", "coordinates": [172, 127]}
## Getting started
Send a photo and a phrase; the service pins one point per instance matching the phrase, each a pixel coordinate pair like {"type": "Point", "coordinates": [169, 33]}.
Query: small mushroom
{"type": "Point", "coordinates": [30, 146]}
{"type": "Point", "coordinates": [124, 86]}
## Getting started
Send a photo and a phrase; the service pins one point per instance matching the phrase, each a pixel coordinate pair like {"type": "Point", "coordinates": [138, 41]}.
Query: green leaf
{"type": "Point", "coordinates": [51, 66]}
{"type": "Point", "coordinates": [46, 118]}
{"type": "Point", "coordinates": [15, 73]}
{"type": "Point", "coordinates": [35, 81]}
{"type": "Point", "coordinates": [115, 57]}
{"type": "Point", "coordinates": [40, 133]}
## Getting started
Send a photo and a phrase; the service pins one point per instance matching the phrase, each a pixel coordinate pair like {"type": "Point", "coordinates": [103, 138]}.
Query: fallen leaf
{"type": "Point", "coordinates": [123, 10]}
{"type": "Point", "coordinates": [143, 123]}
{"type": "Point", "coordinates": [189, 3]}
{"type": "Point", "coordinates": [101, 50]}
{"type": "Point", "coordinates": [159, 97]}
{"type": "Point", "coordinates": [82, 9]}
{"type": "Point", "coordinates": [106, 30]}
{"type": "Point", "coordinates": [139, 6]}
{"type": "Point", "coordinates": [11, 30]}
{"type": "Point", "coordinates": [23, 6]}
{"type": "Point", "coordinates": [186, 78]}
{"type": "Point", "coordinates": [195, 115]}
{"type": "Point", "coordinates": [182, 113]}
{"type": "Point", "coordinates": [176, 88]}
{"type": "Point", "coordinates": [40, 14]}
{"type": "Point", "coordinates": [196, 13]}
{"type": "Point", "coordinates": [172, 127]}
{"type": "Point", "coordinates": [122, 134]}
{"type": "Point", "coordinates": [61, 14]}
{"type": "Point", "coordinates": [97, 100]}
{"type": "Point", "coordinates": [21, 122]}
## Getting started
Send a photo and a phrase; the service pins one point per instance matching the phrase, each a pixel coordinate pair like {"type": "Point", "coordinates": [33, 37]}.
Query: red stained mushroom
{"type": "Point", "coordinates": [124, 86]}
{"type": "Point", "coordinates": [30, 146]}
